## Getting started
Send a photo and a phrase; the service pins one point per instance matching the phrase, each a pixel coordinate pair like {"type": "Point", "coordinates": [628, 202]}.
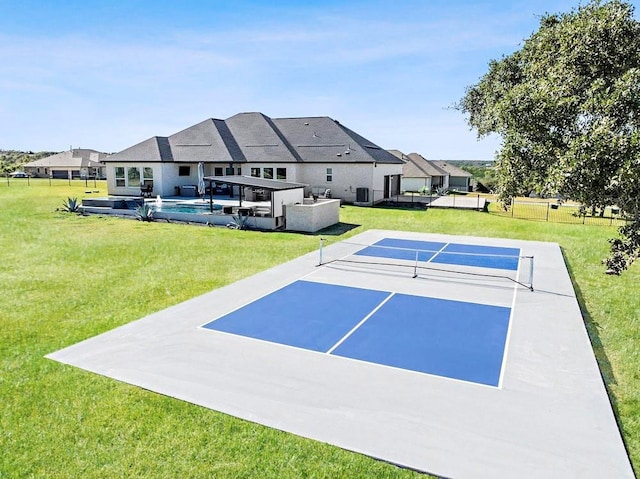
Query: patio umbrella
{"type": "Point", "coordinates": [201, 187]}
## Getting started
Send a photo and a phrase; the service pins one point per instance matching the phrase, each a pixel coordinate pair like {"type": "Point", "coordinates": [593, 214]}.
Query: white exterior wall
{"type": "Point", "coordinates": [165, 178]}
{"type": "Point", "coordinates": [312, 217]}
{"type": "Point", "coordinates": [285, 197]}
{"type": "Point", "coordinates": [381, 171]}
{"type": "Point", "coordinates": [345, 178]}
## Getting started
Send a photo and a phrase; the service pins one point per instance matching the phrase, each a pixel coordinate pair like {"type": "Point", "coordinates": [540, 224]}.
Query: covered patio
{"type": "Point", "coordinates": [261, 197]}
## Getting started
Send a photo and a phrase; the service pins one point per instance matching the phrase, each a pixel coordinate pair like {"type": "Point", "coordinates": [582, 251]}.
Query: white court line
{"type": "Point", "coordinates": [503, 366]}
{"type": "Point", "coordinates": [360, 323]}
{"type": "Point", "coordinates": [438, 252]}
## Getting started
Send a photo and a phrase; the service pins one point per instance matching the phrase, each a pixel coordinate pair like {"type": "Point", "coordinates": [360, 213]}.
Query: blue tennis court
{"type": "Point", "coordinates": [444, 253]}
{"type": "Point", "coordinates": [453, 339]}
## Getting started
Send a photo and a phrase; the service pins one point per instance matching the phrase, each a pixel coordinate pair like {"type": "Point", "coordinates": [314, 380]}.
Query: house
{"type": "Point", "coordinates": [316, 151]}
{"type": "Point", "coordinates": [420, 174]}
{"type": "Point", "coordinates": [459, 179]}
{"type": "Point", "coordinates": [74, 163]}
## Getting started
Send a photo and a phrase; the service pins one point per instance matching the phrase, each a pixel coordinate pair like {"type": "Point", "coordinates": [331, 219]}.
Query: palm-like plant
{"type": "Point", "coordinates": [144, 212]}
{"type": "Point", "coordinates": [71, 205]}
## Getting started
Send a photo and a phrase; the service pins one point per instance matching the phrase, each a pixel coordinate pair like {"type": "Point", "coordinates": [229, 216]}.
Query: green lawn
{"type": "Point", "coordinates": [64, 278]}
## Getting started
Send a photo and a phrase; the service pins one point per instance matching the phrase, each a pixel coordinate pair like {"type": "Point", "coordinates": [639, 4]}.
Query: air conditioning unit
{"type": "Point", "coordinates": [362, 195]}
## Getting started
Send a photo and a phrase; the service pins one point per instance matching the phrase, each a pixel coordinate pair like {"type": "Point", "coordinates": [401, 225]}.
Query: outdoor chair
{"type": "Point", "coordinates": [145, 191]}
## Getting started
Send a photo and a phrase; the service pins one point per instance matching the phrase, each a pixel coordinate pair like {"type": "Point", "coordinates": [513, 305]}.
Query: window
{"type": "Point", "coordinates": [268, 173]}
{"type": "Point", "coordinates": [184, 171]}
{"type": "Point", "coordinates": [255, 172]}
{"type": "Point", "coordinates": [133, 177]}
{"type": "Point", "coordinates": [147, 176]}
{"type": "Point", "coordinates": [120, 181]}
{"type": "Point", "coordinates": [228, 171]}
{"type": "Point", "coordinates": [281, 173]}
{"type": "Point", "coordinates": [217, 171]}
{"type": "Point", "coordinates": [239, 171]}
{"type": "Point", "coordinates": [329, 174]}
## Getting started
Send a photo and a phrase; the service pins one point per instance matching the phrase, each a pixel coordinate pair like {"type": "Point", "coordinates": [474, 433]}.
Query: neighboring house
{"type": "Point", "coordinates": [316, 151]}
{"type": "Point", "coordinates": [75, 163]}
{"type": "Point", "coordinates": [420, 174]}
{"type": "Point", "coordinates": [459, 179]}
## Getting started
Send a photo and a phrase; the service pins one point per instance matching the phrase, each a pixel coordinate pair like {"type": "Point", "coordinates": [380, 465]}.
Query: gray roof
{"type": "Point", "coordinates": [75, 158]}
{"type": "Point", "coordinates": [418, 166]}
{"type": "Point", "coordinates": [452, 169]}
{"type": "Point", "coordinates": [256, 138]}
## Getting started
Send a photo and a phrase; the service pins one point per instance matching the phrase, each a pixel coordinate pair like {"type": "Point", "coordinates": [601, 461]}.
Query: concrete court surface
{"type": "Point", "coordinates": [550, 416]}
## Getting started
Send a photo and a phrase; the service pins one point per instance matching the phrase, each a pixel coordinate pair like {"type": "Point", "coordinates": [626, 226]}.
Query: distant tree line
{"type": "Point", "coordinates": [12, 160]}
{"type": "Point", "coordinates": [484, 174]}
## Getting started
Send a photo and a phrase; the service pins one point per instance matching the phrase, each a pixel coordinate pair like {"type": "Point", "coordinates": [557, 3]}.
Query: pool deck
{"type": "Point", "coordinates": [550, 417]}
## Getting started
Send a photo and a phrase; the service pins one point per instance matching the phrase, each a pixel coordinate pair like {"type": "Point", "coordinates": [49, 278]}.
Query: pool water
{"type": "Point", "coordinates": [184, 208]}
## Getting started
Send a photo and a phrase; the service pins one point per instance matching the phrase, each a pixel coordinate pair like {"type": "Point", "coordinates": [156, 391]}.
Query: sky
{"type": "Point", "coordinates": [107, 74]}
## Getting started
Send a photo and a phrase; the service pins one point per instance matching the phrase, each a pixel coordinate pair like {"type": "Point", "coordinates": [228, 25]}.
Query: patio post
{"type": "Point", "coordinates": [210, 196]}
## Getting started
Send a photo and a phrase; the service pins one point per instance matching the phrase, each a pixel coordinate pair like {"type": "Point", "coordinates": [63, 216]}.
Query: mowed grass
{"type": "Point", "coordinates": [65, 278]}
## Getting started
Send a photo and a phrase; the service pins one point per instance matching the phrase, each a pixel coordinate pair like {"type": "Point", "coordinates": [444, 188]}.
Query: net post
{"type": "Point", "coordinates": [415, 266]}
{"type": "Point", "coordinates": [531, 273]}
{"type": "Point", "coordinates": [320, 251]}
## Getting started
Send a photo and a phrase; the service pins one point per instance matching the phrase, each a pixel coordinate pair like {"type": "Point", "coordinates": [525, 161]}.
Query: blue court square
{"type": "Point", "coordinates": [303, 314]}
{"type": "Point", "coordinates": [406, 249]}
{"type": "Point", "coordinates": [494, 257]}
{"type": "Point", "coordinates": [480, 256]}
{"type": "Point", "coordinates": [454, 339]}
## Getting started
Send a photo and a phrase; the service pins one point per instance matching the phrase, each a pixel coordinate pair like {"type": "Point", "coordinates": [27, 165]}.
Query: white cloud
{"type": "Point", "coordinates": [390, 69]}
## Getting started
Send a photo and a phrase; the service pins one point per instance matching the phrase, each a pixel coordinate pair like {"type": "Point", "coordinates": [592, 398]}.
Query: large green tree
{"type": "Point", "coordinates": [567, 107]}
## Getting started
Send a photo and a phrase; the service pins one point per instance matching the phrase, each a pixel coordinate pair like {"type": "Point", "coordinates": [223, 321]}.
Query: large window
{"type": "Point", "coordinates": [281, 173]}
{"type": "Point", "coordinates": [217, 171]}
{"type": "Point", "coordinates": [329, 174]}
{"type": "Point", "coordinates": [228, 171]}
{"type": "Point", "coordinates": [120, 180]}
{"type": "Point", "coordinates": [268, 173]}
{"type": "Point", "coordinates": [133, 177]}
{"type": "Point", "coordinates": [184, 171]}
{"type": "Point", "coordinates": [255, 172]}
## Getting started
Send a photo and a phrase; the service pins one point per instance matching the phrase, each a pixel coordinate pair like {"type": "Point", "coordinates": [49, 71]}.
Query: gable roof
{"type": "Point", "coordinates": [75, 158]}
{"type": "Point", "coordinates": [452, 169]}
{"type": "Point", "coordinates": [155, 149]}
{"type": "Point", "coordinates": [420, 165]}
{"type": "Point", "coordinates": [322, 139]}
{"type": "Point", "coordinates": [257, 138]}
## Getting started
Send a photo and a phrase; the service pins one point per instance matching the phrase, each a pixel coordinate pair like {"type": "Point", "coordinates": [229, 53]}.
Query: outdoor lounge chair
{"type": "Point", "coordinates": [145, 190]}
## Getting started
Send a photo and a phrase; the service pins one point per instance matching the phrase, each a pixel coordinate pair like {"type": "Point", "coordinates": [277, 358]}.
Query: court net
{"type": "Point", "coordinates": [421, 259]}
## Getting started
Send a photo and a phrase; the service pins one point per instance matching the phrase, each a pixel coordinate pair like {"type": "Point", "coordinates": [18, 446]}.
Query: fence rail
{"type": "Point", "coordinates": [87, 182]}
{"type": "Point", "coordinates": [551, 211]}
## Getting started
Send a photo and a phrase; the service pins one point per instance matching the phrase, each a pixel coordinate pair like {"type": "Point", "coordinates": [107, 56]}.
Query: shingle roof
{"type": "Point", "coordinates": [198, 143]}
{"type": "Point", "coordinates": [452, 169]}
{"type": "Point", "coordinates": [75, 158]}
{"type": "Point", "coordinates": [154, 149]}
{"type": "Point", "coordinates": [259, 140]}
{"type": "Point", "coordinates": [254, 137]}
{"type": "Point", "coordinates": [421, 164]}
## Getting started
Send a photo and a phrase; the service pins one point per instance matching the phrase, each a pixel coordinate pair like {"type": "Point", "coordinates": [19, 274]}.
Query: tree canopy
{"type": "Point", "coordinates": [567, 107]}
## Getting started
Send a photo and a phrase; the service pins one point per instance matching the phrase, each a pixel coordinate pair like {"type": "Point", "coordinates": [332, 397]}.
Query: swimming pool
{"type": "Point", "coordinates": [188, 208]}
